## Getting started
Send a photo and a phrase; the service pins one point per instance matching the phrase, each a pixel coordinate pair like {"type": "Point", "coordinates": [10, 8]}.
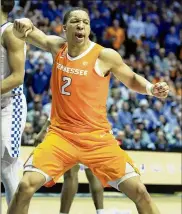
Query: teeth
{"type": "Point", "coordinates": [79, 36]}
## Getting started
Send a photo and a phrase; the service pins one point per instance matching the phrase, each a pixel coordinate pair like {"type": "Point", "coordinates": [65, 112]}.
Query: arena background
{"type": "Point", "coordinates": [148, 36]}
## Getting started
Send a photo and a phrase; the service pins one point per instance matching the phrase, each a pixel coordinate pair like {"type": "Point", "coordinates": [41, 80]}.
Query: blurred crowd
{"type": "Point", "coordinates": [148, 36]}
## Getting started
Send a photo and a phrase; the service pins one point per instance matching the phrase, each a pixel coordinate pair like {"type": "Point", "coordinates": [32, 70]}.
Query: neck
{"type": "Point", "coordinates": [75, 51]}
{"type": "Point", "coordinates": [4, 18]}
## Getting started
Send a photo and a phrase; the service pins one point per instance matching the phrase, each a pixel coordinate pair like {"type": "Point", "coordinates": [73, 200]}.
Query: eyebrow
{"type": "Point", "coordinates": [85, 19]}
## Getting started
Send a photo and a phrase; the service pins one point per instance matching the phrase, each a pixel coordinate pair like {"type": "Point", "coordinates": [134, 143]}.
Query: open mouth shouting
{"type": "Point", "coordinates": [79, 36]}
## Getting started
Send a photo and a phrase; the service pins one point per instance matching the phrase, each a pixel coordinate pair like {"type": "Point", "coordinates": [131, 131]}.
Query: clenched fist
{"type": "Point", "coordinates": [160, 90]}
{"type": "Point", "coordinates": [22, 27]}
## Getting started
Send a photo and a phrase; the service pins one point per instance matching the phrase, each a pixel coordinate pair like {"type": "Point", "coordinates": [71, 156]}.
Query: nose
{"type": "Point", "coordinates": [80, 25]}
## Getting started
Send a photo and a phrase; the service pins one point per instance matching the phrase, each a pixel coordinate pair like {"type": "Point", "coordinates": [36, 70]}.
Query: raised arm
{"type": "Point", "coordinates": [16, 60]}
{"type": "Point", "coordinates": [25, 30]}
{"type": "Point", "coordinates": [129, 78]}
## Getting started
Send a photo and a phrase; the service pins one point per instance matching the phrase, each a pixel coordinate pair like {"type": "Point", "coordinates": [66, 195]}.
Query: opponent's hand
{"type": "Point", "coordinates": [160, 90]}
{"type": "Point", "coordinates": [39, 138]}
{"type": "Point", "coordinates": [22, 27]}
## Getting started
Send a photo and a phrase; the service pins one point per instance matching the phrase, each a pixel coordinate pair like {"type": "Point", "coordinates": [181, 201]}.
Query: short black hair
{"type": "Point", "coordinates": [67, 14]}
{"type": "Point", "coordinates": [7, 5]}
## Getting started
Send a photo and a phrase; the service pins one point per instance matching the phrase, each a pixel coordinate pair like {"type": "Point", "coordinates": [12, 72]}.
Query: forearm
{"type": "Point", "coordinates": [42, 133]}
{"type": "Point", "coordinates": [140, 84]}
{"type": "Point", "coordinates": [31, 35]}
{"type": "Point", "coordinates": [24, 29]}
{"type": "Point", "coordinates": [134, 81]}
{"type": "Point", "coordinates": [10, 83]}
{"type": "Point", "coordinates": [124, 73]}
{"type": "Point", "coordinates": [37, 38]}
{"type": "Point", "coordinates": [129, 78]}
{"type": "Point", "coordinates": [45, 126]}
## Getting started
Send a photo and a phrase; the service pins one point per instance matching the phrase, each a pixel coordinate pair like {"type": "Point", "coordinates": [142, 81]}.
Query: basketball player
{"type": "Point", "coordinates": [70, 185]}
{"type": "Point", "coordinates": [79, 130]}
{"type": "Point", "coordinates": [13, 103]}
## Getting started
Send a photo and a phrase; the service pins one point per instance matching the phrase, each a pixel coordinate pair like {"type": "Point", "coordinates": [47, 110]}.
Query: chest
{"type": "Point", "coordinates": [85, 73]}
{"type": "Point", "coordinates": [81, 73]}
{"type": "Point", "coordinates": [74, 73]}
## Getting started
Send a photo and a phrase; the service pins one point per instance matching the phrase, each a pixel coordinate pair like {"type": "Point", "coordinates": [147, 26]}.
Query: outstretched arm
{"type": "Point", "coordinates": [129, 78]}
{"type": "Point", "coordinates": [16, 61]}
{"type": "Point", "coordinates": [25, 30]}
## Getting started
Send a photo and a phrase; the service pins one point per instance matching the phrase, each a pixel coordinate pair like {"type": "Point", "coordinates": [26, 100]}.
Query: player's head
{"type": "Point", "coordinates": [7, 6]}
{"type": "Point", "coordinates": [76, 24]}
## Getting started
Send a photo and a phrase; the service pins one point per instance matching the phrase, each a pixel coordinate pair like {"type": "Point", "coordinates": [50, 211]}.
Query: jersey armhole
{"type": "Point", "coordinates": [97, 69]}
{"type": "Point", "coordinates": [58, 53]}
{"type": "Point", "coordinates": [99, 72]}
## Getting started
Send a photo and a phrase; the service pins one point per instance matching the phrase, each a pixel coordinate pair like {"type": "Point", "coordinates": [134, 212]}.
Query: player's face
{"type": "Point", "coordinates": [78, 27]}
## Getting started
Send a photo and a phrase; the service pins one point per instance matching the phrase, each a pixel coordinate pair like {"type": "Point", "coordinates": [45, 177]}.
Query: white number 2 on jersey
{"type": "Point", "coordinates": [67, 82]}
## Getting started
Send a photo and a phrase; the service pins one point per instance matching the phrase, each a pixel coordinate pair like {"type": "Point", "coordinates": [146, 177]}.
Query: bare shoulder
{"type": "Point", "coordinates": [110, 56]}
{"type": "Point", "coordinates": [10, 40]}
{"type": "Point", "coordinates": [55, 42]}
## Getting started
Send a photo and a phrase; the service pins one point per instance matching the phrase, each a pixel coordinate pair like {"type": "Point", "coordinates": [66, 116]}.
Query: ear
{"type": "Point", "coordinates": [64, 28]}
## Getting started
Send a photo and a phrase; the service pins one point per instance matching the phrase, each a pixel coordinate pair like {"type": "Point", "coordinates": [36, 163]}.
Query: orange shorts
{"type": "Point", "coordinates": [98, 150]}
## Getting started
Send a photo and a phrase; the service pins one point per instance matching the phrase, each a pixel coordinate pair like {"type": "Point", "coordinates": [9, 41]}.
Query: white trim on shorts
{"type": "Point", "coordinates": [130, 172]}
{"type": "Point", "coordinates": [28, 167]}
{"type": "Point", "coordinates": [82, 166]}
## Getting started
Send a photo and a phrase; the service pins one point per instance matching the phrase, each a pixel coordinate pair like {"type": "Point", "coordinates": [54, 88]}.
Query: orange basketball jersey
{"type": "Point", "coordinates": [79, 93]}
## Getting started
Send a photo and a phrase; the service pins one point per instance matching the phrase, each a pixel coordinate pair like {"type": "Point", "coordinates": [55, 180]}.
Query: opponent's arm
{"type": "Point", "coordinates": [129, 78]}
{"type": "Point", "coordinates": [25, 30]}
{"type": "Point", "coordinates": [42, 133]}
{"type": "Point", "coordinates": [16, 61]}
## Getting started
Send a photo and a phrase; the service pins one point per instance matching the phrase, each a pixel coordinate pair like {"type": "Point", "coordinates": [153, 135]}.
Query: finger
{"type": "Point", "coordinates": [166, 91]}
{"type": "Point", "coordinates": [163, 89]}
{"type": "Point", "coordinates": [16, 25]}
{"type": "Point", "coordinates": [22, 27]}
{"type": "Point", "coordinates": [19, 26]}
{"type": "Point", "coordinates": [161, 84]}
{"type": "Point", "coordinates": [158, 92]}
{"type": "Point", "coordinates": [27, 32]}
{"type": "Point", "coordinates": [163, 94]}
{"type": "Point", "coordinates": [156, 88]}
{"type": "Point", "coordinates": [157, 85]}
